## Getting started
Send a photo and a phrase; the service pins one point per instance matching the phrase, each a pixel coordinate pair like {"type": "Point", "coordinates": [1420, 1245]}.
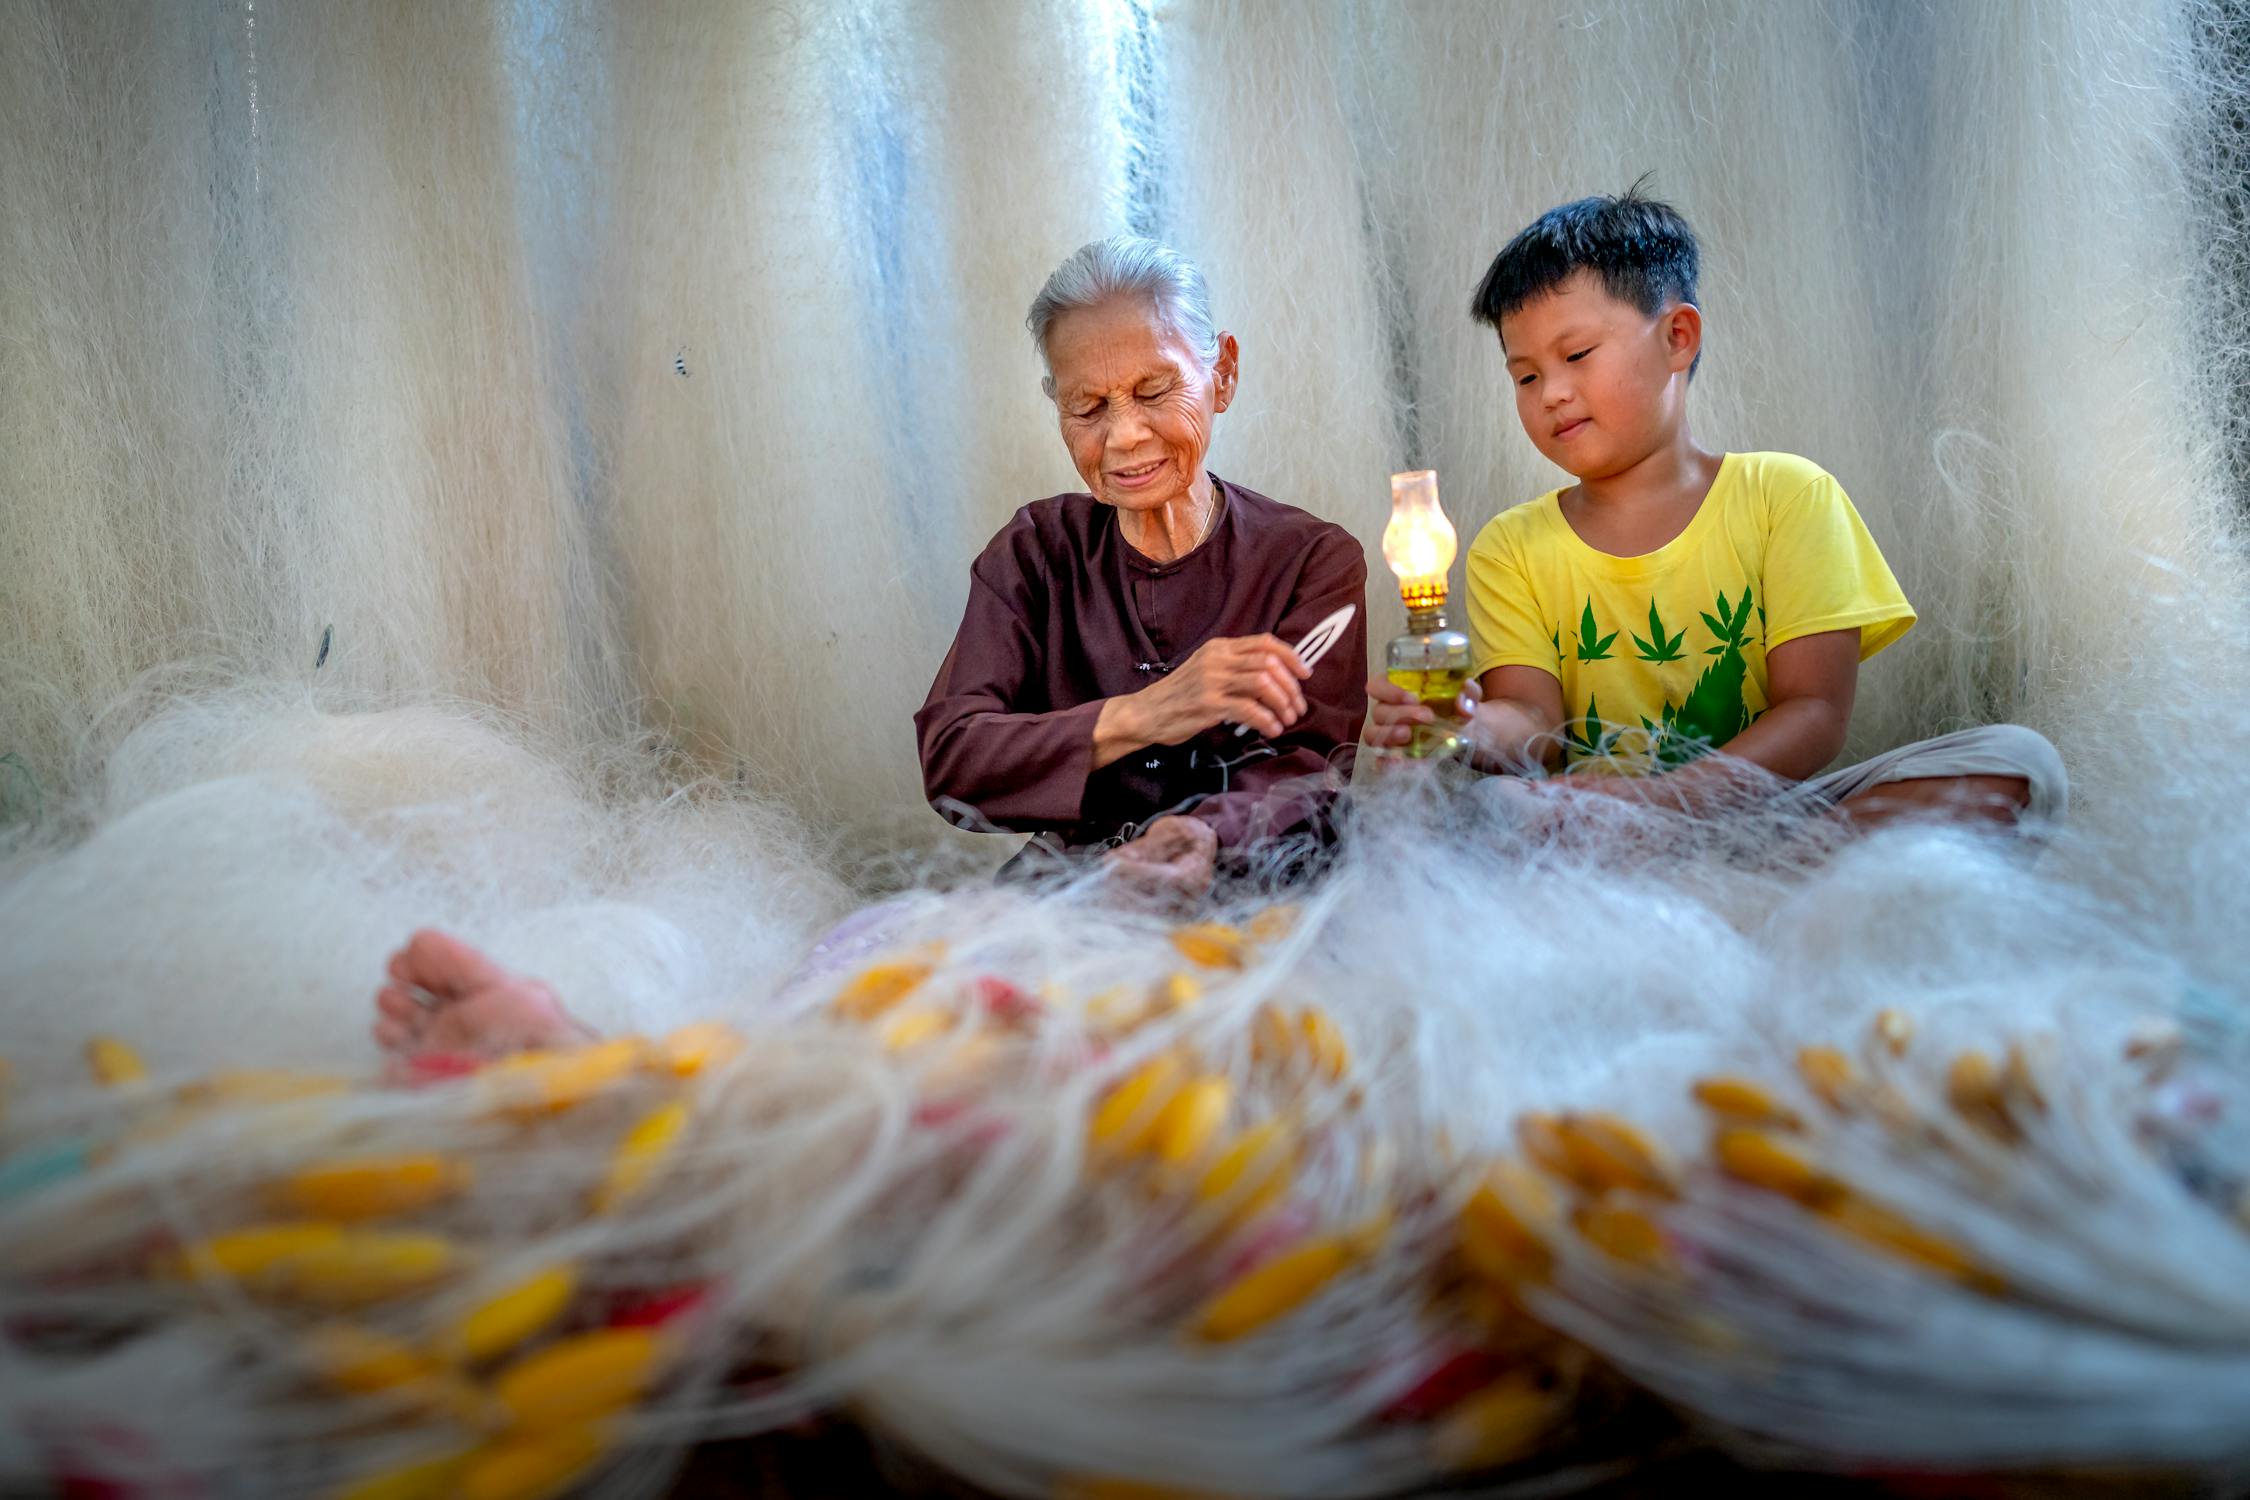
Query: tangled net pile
{"type": "Point", "coordinates": [1349, 1196]}
{"type": "Point", "coordinates": [402, 357]}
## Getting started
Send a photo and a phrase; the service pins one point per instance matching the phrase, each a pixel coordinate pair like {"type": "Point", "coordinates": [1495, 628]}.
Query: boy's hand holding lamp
{"type": "Point", "coordinates": [1424, 706]}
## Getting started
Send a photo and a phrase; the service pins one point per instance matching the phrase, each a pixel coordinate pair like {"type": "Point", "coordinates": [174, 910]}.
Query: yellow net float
{"type": "Point", "coordinates": [363, 1266]}
{"type": "Point", "coordinates": [1495, 1241]}
{"type": "Point", "coordinates": [1273, 923]}
{"type": "Point", "coordinates": [1756, 1158]}
{"type": "Point", "coordinates": [254, 1086]}
{"type": "Point", "coordinates": [1881, 1229]}
{"type": "Point", "coordinates": [1740, 1099]}
{"type": "Point", "coordinates": [1830, 1075]}
{"type": "Point", "coordinates": [1176, 993]}
{"type": "Point", "coordinates": [904, 1030]}
{"type": "Point", "coordinates": [372, 1187]}
{"type": "Point", "coordinates": [533, 1083]}
{"type": "Point", "coordinates": [878, 987]}
{"type": "Point", "coordinates": [641, 1156]}
{"type": "Point", "coordinates": [113, 1064]}
{"type": "Point", "coordinates": [1126, 1120]}
{"type": "Point", "coordinates": [576, 1379]}
{"type": "Point", "coordinates": [319, 1262]}
{"type": "Point", "coordinates": [1252, 1173]}
{"type": "Point", "coordinates": [1190, 1119]}
{"type": "Point", "coordinates": [362, 1361]}
{"type": "Point", "coordinates": [1324, 1042]}
{"type": "Point", "coordinates": [1622, 1233]}
{"type": "Point", "coordinates": [1270, 1291]}
{"type": "Point", "coordinates": [1211, 945]}
{"type": "Point", "coordinates": [510, 1318]}
{"type": "Point", "coordinates": [248, 1254]}
{"type": "Point", "coordinates": [1503, 1422]}
{"type": "Point", "coordinates": [696, 1048]}
{"type": "Point", "coordinates": [1892, 1031]}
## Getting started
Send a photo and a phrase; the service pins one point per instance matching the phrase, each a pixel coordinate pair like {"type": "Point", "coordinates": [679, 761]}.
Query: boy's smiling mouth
{"type": "Point", "coordinates": [1569, 428]}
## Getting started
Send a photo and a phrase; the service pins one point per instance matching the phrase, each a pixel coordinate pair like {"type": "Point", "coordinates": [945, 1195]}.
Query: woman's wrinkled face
{"type": "Point", "coordinates": [1135, 402]}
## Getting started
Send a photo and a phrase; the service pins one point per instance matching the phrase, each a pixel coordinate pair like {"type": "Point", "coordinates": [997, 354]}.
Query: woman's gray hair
{"type": "Point", "coordinates": [1125, 266]}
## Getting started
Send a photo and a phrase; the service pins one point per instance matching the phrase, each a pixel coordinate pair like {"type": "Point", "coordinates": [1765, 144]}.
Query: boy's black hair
{"type": "Point", "coordinates": [1642, 250]}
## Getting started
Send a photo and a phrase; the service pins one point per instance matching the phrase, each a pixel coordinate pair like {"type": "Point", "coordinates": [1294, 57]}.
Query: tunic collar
{"type": "Point", "coordinates": [1140, 562]}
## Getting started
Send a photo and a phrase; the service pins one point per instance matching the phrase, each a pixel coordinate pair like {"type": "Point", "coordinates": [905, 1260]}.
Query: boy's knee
{"type": "Point", "coordinates": [2025, 754]}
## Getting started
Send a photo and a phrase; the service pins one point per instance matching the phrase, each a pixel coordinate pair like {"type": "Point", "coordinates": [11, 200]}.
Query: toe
{"type": "Point", "coordinates": [391, 1036]}
{"type": "Point", "coordinates": [445, 966]}
{"type": "Point", "coordinates": [397, 1005]}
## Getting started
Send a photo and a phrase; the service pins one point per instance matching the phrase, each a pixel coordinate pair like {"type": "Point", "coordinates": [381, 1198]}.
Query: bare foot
{"type": "Point", "coordinates": [445, 997]}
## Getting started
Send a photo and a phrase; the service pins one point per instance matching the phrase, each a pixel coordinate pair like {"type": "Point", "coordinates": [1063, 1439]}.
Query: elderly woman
{"type": "Point", "coordinates": [1113, 640]}
{"type": "Point", "coordinates": [1116, 637]}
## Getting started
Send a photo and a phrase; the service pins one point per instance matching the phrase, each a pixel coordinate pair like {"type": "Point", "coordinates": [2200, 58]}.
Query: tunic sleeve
{"type": "Point", "coordinates": [1284, 792]}
{"type": "Point", "coordinates": [986, 763]}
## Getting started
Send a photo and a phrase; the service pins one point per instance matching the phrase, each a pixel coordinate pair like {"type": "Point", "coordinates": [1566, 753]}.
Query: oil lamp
{"type": "Point", "coordinates": [1430, 661]}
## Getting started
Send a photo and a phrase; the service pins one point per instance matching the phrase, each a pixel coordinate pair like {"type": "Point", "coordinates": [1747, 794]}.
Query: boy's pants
{"type": "Point", "coordinates": [1994, 750]}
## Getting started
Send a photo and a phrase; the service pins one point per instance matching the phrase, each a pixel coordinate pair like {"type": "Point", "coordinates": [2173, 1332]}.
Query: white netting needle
{"type": "Point", "coordinates": [1315, 645]}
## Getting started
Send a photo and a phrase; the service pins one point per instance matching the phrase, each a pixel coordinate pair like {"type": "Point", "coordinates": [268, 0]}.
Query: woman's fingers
{"type": "Point", "coordinates": [1277, 664]}
{"type": "Point", "coordinates": [1292, 700]}
{"type": "Point", "coordinates": [1259, 717]}
{"type": "Point", "coordinates": [1265, 685]}
{"type": "Point", "coordinates": [1290, 661]}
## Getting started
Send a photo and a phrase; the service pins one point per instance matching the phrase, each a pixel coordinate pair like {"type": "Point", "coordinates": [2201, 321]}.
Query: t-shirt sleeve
{"type": "Point", "coordinates": [1824, 572]}
{"type": "Point", "coordinates": [1504, 625]}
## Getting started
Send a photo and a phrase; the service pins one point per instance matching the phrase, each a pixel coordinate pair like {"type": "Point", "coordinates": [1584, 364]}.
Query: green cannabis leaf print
{"type": "Point", "coordinates": [1659, 647]}
{"type": "Point", "coordinates": [1712, 713]}
{"type": "Point", "coordinates": [1592, 646]}
{"type": "Point", "coordinates": [1588, 737]}
{"type": "Point", "coordinates": [1715, 709]}
{"type": "Point", "coordinates": [1730, 624]}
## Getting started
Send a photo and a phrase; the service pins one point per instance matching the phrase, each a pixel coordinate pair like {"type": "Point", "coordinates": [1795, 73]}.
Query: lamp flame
{"type": "Point", "coordinates": [1419, 543]}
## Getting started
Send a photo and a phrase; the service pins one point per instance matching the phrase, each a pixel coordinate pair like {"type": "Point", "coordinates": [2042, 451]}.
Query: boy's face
{"type": "Point", "coordinates": [1599, 383]}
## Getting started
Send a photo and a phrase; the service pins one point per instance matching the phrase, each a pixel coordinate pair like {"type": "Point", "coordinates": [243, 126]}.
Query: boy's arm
{"type": "Point", "coordinates": [1517, 724]}
{"type": "Point", "coordinates": [1810, 682]}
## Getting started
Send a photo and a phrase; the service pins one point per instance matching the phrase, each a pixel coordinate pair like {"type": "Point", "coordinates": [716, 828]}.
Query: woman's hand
{"type": "Point", "coordinates": [1174, 859]}
{"type": "Point", "coordinates": [1393, 712]}
{"type": "Point", "coordinates": [1246, 679]}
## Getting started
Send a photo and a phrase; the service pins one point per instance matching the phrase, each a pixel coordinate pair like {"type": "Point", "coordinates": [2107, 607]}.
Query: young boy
{"type": "Point", "coordinates": [1675, 600]}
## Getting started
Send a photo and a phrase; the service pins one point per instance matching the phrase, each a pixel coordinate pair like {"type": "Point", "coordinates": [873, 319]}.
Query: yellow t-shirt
{"type": "Point", "coordinates": [1663, 656]}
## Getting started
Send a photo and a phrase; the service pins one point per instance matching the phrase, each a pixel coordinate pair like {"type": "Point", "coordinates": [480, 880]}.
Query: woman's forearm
{"type": "Point", "coordinates": [1021, 771]}
{"type": "Point", "coordinates": [1119, 731]}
